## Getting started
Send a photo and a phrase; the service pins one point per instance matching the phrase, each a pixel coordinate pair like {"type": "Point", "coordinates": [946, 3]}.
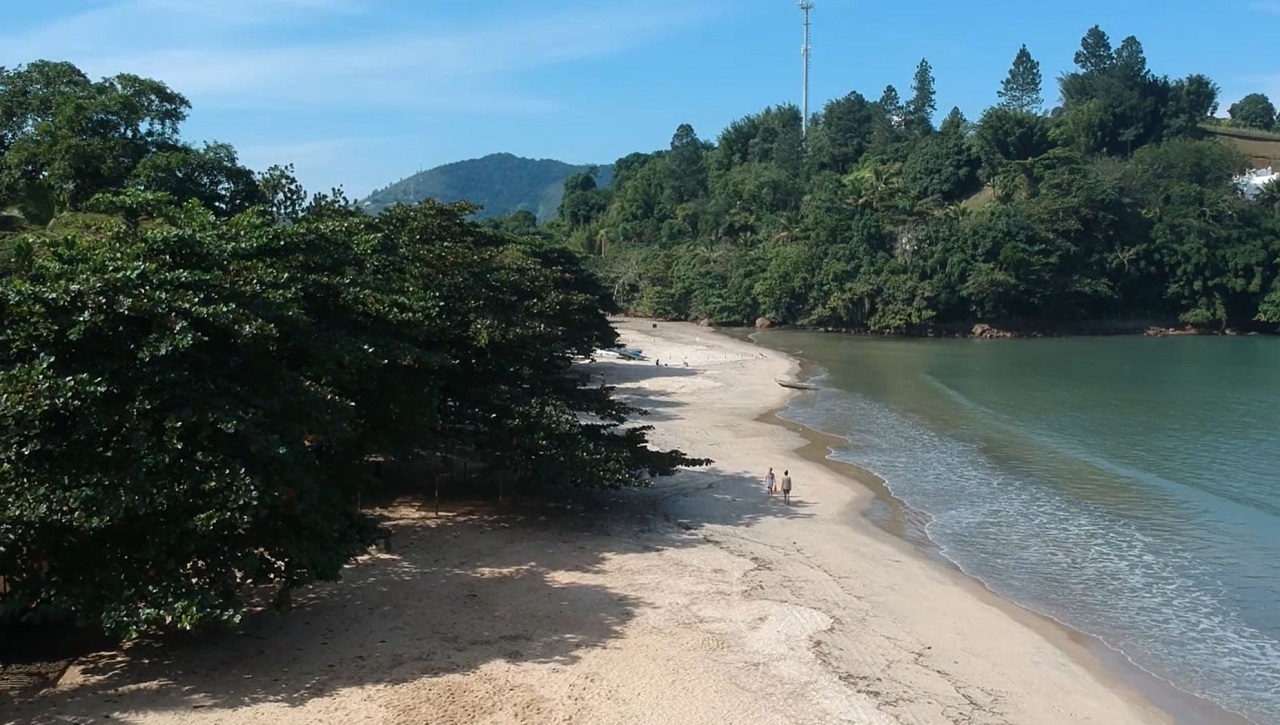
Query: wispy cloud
{"type": "Point", "coordinates": [243, 51]}
{"type": "Point", "coordinates": [314, 82]}
{"type": "Point", "coordinates": [1266, 6]}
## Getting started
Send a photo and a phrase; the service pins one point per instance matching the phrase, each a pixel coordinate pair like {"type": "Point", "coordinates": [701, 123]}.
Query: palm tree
{"type": "Point", "coordinates": [955, 212]}
{"type": "Point", "coordinates": [39, 206]}
{"type": "Point", "coordinates": [1269, 195]}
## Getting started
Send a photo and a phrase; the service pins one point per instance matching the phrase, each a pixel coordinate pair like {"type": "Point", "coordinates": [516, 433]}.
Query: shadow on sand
{"type": "Point", "coordinates": [458, 592]}
{"type": "Point", "coordinates": [474, 586]}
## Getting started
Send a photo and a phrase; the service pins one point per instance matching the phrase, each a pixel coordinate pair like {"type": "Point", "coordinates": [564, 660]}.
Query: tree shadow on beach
{"type": "Point", "coordinates": [520, 583]}
{"type": "Point", "coordinates": [472, 587]}
{"type": "Point", "coordinates": [619, 372]}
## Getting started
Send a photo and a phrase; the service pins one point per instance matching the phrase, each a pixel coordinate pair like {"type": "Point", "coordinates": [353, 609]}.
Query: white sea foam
{"type": "Point", "coordinates": [1175, 606]}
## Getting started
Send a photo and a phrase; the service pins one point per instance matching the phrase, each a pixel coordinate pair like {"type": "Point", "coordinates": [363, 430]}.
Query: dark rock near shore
{"type": "Point", "coordinates": [987, 332]}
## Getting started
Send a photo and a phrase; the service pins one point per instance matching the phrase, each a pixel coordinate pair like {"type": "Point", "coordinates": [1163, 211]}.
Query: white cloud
{"type": "Point", "coordinates": [310, 77]}
{"type": "Point", "coordinates": [1267, 6]}
{"type": "Point", "coordinates": [315, 154]}
{"type": "Point", "coordinates": [216, 52]}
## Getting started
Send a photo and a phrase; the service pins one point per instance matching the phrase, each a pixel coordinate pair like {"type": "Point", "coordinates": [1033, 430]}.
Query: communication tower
{"type": "Point", "coordinates": [805, 52]}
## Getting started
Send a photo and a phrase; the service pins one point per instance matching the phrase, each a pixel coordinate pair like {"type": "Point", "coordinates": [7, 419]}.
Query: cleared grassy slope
{"type": "Point", "coordinates": [1262, 147]}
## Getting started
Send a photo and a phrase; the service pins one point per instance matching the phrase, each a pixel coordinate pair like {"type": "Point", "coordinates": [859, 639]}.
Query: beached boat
{"type": "Point", "coordinates": [794, 385]}
{"type": "Point", "coordinates": [625, 353]}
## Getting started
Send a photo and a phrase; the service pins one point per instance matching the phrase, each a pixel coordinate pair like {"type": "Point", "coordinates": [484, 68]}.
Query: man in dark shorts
{"type": "Point", "coordinates": [786, 487]}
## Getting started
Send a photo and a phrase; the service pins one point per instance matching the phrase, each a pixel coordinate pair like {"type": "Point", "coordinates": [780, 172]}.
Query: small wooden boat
{"type": "Point", "coordinates": [795, 386]}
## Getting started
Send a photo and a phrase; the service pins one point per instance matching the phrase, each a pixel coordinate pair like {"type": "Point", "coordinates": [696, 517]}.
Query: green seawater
{"type": "Point", "coordinates": [1127, 486]}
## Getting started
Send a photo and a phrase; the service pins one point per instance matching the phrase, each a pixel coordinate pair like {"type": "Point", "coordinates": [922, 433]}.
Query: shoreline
{"type": "Point", "coordinates": [902, 522]}
{"type": "Point", "coordinates": [698, 600]}
{"type": "Point", "coordinates": [809, 445]}
{"type": "Point", "coordinates": [906, 525]}
{"type": "Point", "coordinates": [984, 331]}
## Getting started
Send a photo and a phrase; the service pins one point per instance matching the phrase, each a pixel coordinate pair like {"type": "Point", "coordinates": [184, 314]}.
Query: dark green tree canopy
{"type": "Point", "coordinates": [1114, 104]}
{"type": "Point", "coordinates": [1032, 219]}
{"type": "Point", "coordinates": [891, 104]}
{"type": "Point", "coordinates": [842, 133]}
{"type": "Point", "coordinates": [923, 102]}
{"type": "Point", "coordinates": [1254, 111]}
{"type": "Point", "coordinates": [1095, 55]}
{"type": "Point", "coordinates": [687, 166]}
{"type": "Point", "coordinates": [1021, 90]}
{"type": "Point", "coordinates": [197, 361]}
{"type": "Point", "coordinates": [80, 137]}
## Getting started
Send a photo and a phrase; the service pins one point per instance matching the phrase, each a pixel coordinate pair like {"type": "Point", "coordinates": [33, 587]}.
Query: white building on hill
{"type": "Point", "coordinates": [1251, 182]}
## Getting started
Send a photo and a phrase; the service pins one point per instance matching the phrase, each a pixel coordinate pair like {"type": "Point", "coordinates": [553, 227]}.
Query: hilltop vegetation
{"type": "Point", "coordinates": [196, 360]}
{"type": "Point", "coordinates": [1114, 205]}
{"type": "Point", "coordinates": [499, 183]}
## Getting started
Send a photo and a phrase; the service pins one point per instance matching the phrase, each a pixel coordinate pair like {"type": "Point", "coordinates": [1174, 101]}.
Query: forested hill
{"type": "Point", "coordinates": [1107, 202]}
{"type": "Point", "coordinates": [501, 183]}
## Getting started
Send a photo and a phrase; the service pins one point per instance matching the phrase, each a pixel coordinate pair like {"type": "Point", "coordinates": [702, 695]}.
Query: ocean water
{"type": "Point", "coordinates": [1128, 487]}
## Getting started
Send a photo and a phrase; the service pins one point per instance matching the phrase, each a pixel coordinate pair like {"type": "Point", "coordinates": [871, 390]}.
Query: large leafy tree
{"type": "Point", "coordinates": [160, 356]}
{"type": "Point", "coordinates": [211, 175]}
{"type": "Point", "coordinates": [842, 133]}
{"type": "Point", "coordinates": [1005, 136]}
{"type": "Point", "coordinates": [220, 380]}
{"type": "Point", "coordinates": [1254, 111]}
{"type": "Point", "coordinates": [1192, 101]}
{"type": "Point", "coordinates": [196, 359]}
{"type": "Point", "coordinates": [583, 200]}
{"type": "Point", "coordinates": [686, 166]}
{"type": "Point", "coordinates": [80, 137]}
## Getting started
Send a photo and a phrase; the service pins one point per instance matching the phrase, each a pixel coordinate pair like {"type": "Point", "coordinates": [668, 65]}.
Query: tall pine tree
{"type": "Point", "coordinates": [891, 104]}
{"type": "Point", "coordinates": [923, 103]}
{"type": "Point", "coordinates": [1095, 55]}
{"type": "Point", "coordinates": [1021, 90]}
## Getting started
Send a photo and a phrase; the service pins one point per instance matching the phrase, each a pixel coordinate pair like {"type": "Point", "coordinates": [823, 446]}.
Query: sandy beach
{"type": "Point", "coordinates": [699, 600]}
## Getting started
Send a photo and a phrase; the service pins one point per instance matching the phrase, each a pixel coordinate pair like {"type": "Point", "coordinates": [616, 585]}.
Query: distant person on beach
{"type": "Point", "coordinates": [786, 487]}
{"type": "Point", "coordinates": [769, 481]}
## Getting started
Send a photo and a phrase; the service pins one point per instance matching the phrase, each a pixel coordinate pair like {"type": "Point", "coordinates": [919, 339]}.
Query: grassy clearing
{"type": "Point", "coordinates": [984, 196]}
{"type": "Point", "coordinates": [1262, 147]}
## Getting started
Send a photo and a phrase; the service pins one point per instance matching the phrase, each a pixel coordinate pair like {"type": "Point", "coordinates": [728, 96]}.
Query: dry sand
{"type": "Point", "coordinates": [699, 600]}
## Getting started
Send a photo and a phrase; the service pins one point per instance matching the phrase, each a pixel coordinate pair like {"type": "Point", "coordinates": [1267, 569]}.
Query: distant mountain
{"type": "Point", "coordinates": [501, 183]}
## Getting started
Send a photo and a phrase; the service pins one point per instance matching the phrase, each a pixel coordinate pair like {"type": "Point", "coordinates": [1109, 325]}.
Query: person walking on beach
{"type": "Point", "coordinates": [769, 481]}
{"type": "Point", "coordinates": [786, 487]}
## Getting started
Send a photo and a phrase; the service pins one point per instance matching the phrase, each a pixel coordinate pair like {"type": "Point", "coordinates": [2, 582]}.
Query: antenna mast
{"type": "Point", "coordinates": [805, 51]}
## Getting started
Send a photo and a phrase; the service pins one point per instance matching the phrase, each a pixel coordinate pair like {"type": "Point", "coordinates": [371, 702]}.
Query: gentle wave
{"type": "Point", "coordinates": [1132, 584]}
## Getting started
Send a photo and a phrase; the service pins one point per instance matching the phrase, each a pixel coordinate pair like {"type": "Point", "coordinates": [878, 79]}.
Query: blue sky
{"type": "Point", "coordinates": [360, 93]}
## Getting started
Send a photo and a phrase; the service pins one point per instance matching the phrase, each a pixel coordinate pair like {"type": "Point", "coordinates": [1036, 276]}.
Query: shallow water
{"type": "Point", "coordinates": [1128, 487]}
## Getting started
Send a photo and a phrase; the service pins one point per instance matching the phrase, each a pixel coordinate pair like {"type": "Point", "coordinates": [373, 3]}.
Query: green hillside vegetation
{"type": "Point", "coordinates": [500, 183]}
{"type": "Point", "coordinates": [196, 361]}
{"type": "Point", "coordinates": [1115, 207]}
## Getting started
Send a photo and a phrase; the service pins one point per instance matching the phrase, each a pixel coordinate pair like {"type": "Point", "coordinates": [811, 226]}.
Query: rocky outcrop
{"type": "Point", "coordinates": [984, 331]}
